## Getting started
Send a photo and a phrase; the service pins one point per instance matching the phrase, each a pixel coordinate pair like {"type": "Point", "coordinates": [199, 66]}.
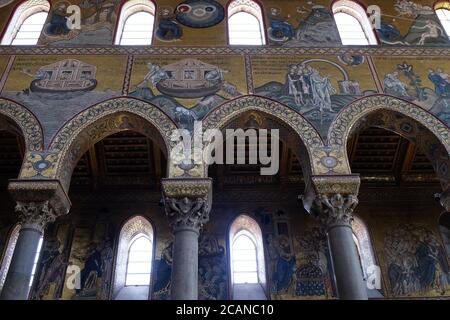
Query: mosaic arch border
{"type": "Point", "coordinates": [341, 127]}
{"type": "Point", "coordinates": [345, 121]}
{"type": "Point", "coordinates": [26, 121]}
{"type": "Point", "coordinates": [62, 143]}
{"type": "Point", "coordinates": [219, 117]}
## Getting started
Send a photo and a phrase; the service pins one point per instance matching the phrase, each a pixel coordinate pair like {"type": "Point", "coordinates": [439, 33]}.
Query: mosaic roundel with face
{"type": "Point", "coordinates": [200, 13]}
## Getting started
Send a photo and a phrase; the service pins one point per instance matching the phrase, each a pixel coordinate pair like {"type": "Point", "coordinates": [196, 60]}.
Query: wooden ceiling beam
{"type": "Point", "coordinates": [404, 155]}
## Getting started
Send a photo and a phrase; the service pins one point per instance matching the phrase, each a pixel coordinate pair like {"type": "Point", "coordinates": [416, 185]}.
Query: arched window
{"type": "Point", "coordinates": [8, 253]}
{"type": "Point", "coordinates": [248, 273]}
{"type": "Point", "coordinates": [245, 262]}
{"type": "Point", "coordinates": [139, 262]}
{"type": "Point", "coordinates": [353, 24]}
{"type": "Point", "coordinates": [443, 12]}
{"type": "Point", "coordinates": [136, 22]}
{"type": "Point", "coordinates": [363, 244]}
{"type": "Point", "coordinates": [245, 23]}
{"type": "Point", "coordinates": [134, 260]}
{"type": "Point", "coordinates": [26, 23]}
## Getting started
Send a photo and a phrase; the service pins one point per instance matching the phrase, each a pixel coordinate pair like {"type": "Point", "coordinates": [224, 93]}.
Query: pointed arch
{"type": "Point", "coordinates": [247, 262]}
{"type": "Point", "coordinates": [102, 120]}
{"type": "Point", "coordinates": [134, 259]}
{"type": "Point", "coordinates": [19, 119]}
{"type": "Point", "coordinates": [227, 112]}
{"type": "Point", "coordinates": [401, 117]}
{"type": "Point", "coordinates": [364, 244]}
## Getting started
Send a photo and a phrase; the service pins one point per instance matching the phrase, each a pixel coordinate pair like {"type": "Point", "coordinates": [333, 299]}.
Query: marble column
{"type": "Point", "coordinates": [38, 203]}
{"type": "Point", "coordinates": [333, 202]}
{"type": "Point", "coordinates": [33, 218]}
{"type": "Point", "coordinates": [187, 206]}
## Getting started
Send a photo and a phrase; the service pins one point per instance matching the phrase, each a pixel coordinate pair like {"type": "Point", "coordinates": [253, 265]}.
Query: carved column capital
{"type": "Point", "coordinates": [332, 199]}
{"type": "Point", "coordinates": [35, 215]}
{"type": "Point", "coordinates": [187, 202]}
{"type": "Point", "coordinates": [186, 213]}
{"type": "Point", "coordinates": [38, 202]}
{"type": "Point", "coordinates": [335, 209]}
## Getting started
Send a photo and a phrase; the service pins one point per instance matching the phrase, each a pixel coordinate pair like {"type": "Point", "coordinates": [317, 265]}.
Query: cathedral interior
{"type": "Point", "coordinates": [354, 96]}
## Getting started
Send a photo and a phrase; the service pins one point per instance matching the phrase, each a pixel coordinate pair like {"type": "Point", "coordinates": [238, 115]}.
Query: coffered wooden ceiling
{"type": "Point", "coordinates": [131, 159]}
{"type": "Point", "coordinates": [124, 159]}
{"type": "Point", "coordinates": [379, 155]}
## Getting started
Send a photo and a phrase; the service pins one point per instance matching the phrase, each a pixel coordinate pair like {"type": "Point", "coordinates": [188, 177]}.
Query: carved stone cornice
{"type": "Point", "coordinates": [347, 184]}
{"type": "Point", "coordinates": [35, 215]}
{"type": "Point", "coordinates": [35, 193]}
{"type": "Point", "coordinates": [332, 199]}
{"type": "Point", "coordinates": [187, 203]}
{"type": "Point", "coordinates": [186, 187]}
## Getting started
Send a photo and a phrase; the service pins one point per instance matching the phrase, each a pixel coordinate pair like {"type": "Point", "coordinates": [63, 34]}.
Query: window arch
{"type": "Point", "coordinates": [442, 9]}
{"type": "Point", "coordinates": [136, 23]}
{"type": "Point", "coordinates": [26, 24]}
{"type": "Point", "coordinates": [363, 244]}
{"type": "Point", "coordinates": [248, 273]}
{"type": "Point", "coordinates": [133, 267]}
{"type": "Point", "coordinates": [245, 23]}
{"type": "Point", "coordinates": [353, 24]}
{"type": "Point", "coordinates": [8, 253]}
